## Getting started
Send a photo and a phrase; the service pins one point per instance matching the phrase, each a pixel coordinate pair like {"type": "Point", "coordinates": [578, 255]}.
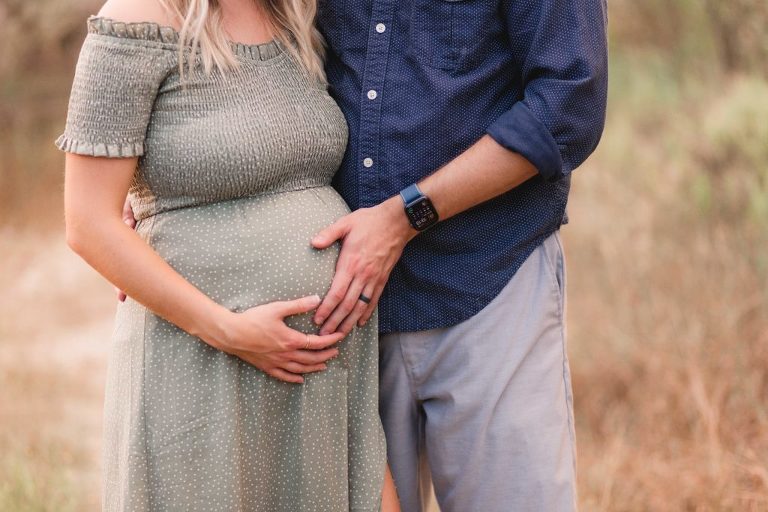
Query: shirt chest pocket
{"type": "Point", "coordinates": [452, 35]}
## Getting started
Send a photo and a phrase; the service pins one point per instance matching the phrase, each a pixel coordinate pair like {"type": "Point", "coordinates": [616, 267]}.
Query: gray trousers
{"type": "Point", "coordinates": [483, 410]}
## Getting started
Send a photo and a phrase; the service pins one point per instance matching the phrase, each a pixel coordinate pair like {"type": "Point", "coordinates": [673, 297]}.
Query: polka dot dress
{"type": "Point", "coordinates": [232, 183]}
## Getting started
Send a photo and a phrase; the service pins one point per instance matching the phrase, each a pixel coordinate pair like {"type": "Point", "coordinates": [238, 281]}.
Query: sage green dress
{"type": "Point", "coordinates": [232, 183]}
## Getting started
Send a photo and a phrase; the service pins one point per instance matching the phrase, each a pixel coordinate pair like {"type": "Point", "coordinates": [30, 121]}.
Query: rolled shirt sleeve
{"type": "Point", "coordinates": [562, 49]}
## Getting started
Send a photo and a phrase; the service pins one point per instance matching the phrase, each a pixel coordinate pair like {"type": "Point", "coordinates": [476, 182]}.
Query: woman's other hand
{"type": "Point", "coordinates": [260, 336]}
{"type": "Point", "coordinates": [130, 220]}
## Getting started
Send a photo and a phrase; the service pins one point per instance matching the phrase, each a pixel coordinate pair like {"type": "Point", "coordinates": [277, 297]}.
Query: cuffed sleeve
{"type": "Point", "coordinates": [115, 86]}
{"type": "Point", "coordinates": [562, 51]}
{"type": "Point", "coordinates": [519, 130]}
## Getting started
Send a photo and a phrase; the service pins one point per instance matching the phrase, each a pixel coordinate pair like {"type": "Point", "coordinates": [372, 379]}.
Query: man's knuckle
{"type": "Point", "coordinates": [370, 270]}
{"type": "Point", "coordinates": [353, 263]}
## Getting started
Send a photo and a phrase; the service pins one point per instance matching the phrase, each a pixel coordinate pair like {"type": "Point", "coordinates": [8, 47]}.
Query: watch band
{"type": "Point", "coordinates": [411, 194]}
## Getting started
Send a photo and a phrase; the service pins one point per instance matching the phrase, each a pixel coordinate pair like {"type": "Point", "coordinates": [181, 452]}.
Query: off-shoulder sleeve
{"type": "Point", "coordinates": [116, 83]}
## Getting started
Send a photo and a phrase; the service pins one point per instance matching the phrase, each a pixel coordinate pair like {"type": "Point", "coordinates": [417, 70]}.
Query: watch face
{"type": "Point", "coordinates": [422, 213]}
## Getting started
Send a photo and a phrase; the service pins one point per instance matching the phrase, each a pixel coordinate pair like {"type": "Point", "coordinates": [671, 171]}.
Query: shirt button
{"type": "Point", "coordinates": [368, 162]}
{"type": "Point", "coordinates": [380, 28]}
{"type": "Point", "coordinates": [372, 94]}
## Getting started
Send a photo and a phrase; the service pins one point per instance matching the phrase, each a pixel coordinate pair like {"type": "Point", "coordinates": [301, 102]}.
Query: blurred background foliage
{"type": "Point", "coordinates": [668, 268]}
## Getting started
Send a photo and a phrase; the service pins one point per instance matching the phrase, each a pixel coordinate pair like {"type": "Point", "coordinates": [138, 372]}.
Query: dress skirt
{"type": "Point", "coordinates": [188, 427]}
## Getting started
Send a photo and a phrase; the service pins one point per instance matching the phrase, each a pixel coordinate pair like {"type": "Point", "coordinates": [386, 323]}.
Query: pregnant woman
{"type": "Point", "coordinates": [214, 117]}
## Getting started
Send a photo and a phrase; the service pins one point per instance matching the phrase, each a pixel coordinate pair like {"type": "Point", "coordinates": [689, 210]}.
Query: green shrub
{"type": "Point", "coordinates": [735, 147]}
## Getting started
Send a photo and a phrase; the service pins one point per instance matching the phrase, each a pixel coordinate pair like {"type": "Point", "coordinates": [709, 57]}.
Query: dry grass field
{"type": "Point", "coordinates": [667, 258]}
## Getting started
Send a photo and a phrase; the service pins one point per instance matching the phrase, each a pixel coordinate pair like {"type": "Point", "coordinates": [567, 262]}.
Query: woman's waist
{"type": "Point", "coordinates": [265, 234]}
{"type": "Point", "coordinates": [147, 203]}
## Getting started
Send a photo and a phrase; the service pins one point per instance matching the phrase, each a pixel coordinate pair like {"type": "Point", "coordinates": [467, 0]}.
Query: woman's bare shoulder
{"type": "Point", "coordinates": [138, 11]}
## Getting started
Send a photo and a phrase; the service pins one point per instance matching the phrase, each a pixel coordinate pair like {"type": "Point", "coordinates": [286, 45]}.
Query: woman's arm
{"type": "Point", "coordinates": [94, 193]}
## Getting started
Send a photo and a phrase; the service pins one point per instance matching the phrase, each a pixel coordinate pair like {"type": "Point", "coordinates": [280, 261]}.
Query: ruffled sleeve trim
{"type": "Point", "coordinates": [99, 149]}
{"type": "Point", "coordinates": [144, 31]}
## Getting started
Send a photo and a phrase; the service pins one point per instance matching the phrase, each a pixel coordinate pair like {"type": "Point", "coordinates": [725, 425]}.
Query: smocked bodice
{"type": "Point", "coordinates": [263, 127]}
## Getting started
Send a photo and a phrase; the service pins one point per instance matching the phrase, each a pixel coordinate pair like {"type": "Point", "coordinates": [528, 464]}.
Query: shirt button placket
{"type": "Point", "coordinates": [377, 56]}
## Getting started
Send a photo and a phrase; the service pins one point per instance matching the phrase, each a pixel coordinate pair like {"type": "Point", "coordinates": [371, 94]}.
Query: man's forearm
{"type": "Point", "coordinates": [484, 171]}
{"type": "Point", "coordinates": [374, 238]}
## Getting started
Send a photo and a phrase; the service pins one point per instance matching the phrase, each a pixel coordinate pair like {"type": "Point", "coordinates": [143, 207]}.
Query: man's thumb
{"type": "Point", "coordinates": [329, 235]}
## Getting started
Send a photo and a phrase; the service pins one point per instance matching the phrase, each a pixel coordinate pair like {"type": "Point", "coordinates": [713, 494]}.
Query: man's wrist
{"type": "Point", "coordinates": [399, 220]}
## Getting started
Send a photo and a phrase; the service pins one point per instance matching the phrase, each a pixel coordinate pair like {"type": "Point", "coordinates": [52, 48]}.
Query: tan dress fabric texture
{"type": "Point", "coordinates": [233, 181]}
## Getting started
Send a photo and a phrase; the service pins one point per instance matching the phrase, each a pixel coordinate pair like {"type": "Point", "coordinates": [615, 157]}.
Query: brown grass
{"type": "Point", "coordinates": [55, 321]}
{"type": "Point", "coordinates": [668, 267]}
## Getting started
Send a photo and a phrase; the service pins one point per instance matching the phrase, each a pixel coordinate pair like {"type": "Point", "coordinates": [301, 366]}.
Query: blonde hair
{"type": "Point", "coordinates": [293, 22]}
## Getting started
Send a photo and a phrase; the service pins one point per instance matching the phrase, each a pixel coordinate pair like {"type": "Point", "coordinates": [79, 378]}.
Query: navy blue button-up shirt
{"type": "Point", "coordinates": [420, 81]}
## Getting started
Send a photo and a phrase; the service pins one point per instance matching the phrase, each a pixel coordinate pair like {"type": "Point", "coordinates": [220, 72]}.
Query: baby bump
{"type": "Point", "coordinates": [251, 251]}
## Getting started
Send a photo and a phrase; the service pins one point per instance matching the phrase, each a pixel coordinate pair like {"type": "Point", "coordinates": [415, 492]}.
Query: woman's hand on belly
{"type": "Point", "coordinates": [259, 336]}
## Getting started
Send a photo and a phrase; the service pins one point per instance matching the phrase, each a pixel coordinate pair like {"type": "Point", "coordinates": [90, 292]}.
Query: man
{"type": "Point", "coordinates": [487, 106]}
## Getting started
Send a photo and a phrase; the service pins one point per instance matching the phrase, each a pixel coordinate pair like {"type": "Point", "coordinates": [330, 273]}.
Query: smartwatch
{"type": "Point", "coordinates": [419, 209]}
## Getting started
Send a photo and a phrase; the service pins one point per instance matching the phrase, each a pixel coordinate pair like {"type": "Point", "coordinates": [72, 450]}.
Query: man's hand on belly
{"type": "Point", "coordinates": [373, 240]}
